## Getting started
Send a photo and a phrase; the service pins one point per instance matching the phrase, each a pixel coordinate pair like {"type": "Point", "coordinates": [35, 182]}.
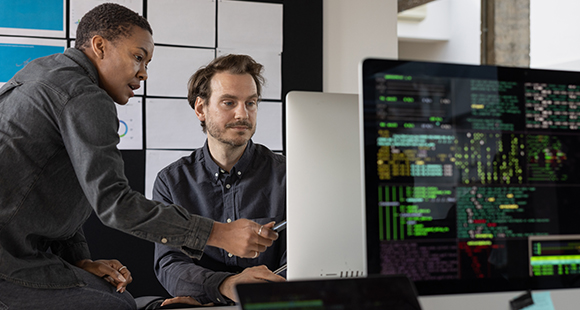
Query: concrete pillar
{"type": "Point", "coordinates": [505, 32]}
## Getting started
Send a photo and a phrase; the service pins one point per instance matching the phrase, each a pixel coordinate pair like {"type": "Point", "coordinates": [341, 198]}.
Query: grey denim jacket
{"type": "Point", "coordinates": [58, 162]}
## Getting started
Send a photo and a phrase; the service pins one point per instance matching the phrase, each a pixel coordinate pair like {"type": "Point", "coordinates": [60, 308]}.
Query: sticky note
{"type": "Point", "coordinates": [542, 301]}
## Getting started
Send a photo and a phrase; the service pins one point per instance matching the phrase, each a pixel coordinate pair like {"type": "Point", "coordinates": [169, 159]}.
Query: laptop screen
{"type": "Point", "coordinates": [382, 292]}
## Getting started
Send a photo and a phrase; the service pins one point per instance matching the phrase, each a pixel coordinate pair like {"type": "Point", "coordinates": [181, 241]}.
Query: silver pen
{"type": "Point", "coordinates": [277, 271]}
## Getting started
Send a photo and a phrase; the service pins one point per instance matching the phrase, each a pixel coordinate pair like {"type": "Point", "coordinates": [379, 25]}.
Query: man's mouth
{"type": "Point", "coordinates": [239, 125]}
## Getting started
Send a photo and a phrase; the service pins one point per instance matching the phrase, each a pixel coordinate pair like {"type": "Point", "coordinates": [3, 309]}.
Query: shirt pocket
{"type": "Point", "coordinates": [8, 87]}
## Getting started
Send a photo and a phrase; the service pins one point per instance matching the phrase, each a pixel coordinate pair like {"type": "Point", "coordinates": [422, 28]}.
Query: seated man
{"type": "Point", "coordinates": [229, 178]}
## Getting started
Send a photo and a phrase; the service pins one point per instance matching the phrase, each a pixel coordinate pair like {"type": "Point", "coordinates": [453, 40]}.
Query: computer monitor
{"type": "Point", "coordinates": [325, 230]}
{"type": "Point", "coordinates": [466, 167]}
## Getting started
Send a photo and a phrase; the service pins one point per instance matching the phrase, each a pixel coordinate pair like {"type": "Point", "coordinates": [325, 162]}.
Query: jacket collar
{"type": "Point", "coordinates": [82, 60]}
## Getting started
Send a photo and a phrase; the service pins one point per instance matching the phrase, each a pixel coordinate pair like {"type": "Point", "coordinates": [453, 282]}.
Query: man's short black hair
{"type": "Point", "coordinates": [109, 20]}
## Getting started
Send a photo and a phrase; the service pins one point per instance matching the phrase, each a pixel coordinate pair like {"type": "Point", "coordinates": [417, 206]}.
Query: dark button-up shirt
{"type": "Point", "coordinates": [58, 162]}
{"type": "Point", "coordinates": [255, 189]}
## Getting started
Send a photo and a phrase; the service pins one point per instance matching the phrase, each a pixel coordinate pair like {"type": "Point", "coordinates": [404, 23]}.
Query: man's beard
{"type": "Point", "coordinates": [219, 134]}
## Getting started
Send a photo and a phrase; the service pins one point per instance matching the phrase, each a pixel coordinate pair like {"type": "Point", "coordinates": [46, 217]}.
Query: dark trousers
{"type": "Point", "coordinates": [97, 294]}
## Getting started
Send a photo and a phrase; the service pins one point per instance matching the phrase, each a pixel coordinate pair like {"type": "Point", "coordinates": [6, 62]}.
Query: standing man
{"type": "Point", "coordinates": [59, 162]}
{"type": "Point", "coordinates": [229, 178]}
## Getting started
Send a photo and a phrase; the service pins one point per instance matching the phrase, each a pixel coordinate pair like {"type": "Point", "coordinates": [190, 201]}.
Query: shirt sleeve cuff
{"type": "Point", "coordinates": [212, 290]}
{"type": "Point", "coordinates": [197, 238]}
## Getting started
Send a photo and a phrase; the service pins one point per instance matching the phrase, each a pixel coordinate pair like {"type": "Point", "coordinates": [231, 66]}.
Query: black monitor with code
{"type": "Point", "coordinates": [467, 169]}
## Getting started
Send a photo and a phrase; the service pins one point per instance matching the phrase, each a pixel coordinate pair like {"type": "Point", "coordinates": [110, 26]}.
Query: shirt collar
{"type": "Point", "coordinates": [239, 168]}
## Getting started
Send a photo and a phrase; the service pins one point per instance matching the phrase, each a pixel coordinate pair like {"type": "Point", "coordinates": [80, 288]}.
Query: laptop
{"type": "Point", "coordinates": [386, 292]}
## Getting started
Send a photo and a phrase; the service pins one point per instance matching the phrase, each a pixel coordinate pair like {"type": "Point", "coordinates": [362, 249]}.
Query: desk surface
{"type": "Point", "coordinates": [563, 299]}
{"type": "Point", "coordinates": [214, 308]}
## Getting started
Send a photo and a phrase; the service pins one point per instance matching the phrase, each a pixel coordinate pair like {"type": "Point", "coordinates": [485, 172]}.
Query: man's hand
{"type": "Point", "coordinates": [243, 238]}
{"type": "Point", "coordinates": [249, 275]}
{"type": "Point", "coordinates": [183, 300]}
{"type": "Point", "coordinates": [111, 270]}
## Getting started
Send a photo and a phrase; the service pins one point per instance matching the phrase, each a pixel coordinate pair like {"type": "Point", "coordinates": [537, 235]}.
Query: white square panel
{"type": "Point", "coordinates": [269, 128]}
{"type": "Point", "coordinates": [171, 68]}
{"type": "Point", "coordinates": [183, 22]}
{"type": "Point", "coordinates": [252, 25]}
{"type": "Point", "coordinates": [172, 124]}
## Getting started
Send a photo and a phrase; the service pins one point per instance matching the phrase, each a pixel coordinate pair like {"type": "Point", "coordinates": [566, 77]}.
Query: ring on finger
{"type": "Point", "coordinates": [124, 267]}
{"type": "Point", "coordinates": [260, 230]}
{"type": "Point", "coordinates": [255, 254]}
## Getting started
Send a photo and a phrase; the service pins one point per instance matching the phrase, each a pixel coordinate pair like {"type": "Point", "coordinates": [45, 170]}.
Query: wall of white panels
{"type": "Point", "coordinates": [188, 34]}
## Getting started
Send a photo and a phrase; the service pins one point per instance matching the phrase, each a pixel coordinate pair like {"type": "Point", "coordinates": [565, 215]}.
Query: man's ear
{"type": "Point", "coordinates": [98, 46]}
{"type": "Point", "coordinates": [199, 109]}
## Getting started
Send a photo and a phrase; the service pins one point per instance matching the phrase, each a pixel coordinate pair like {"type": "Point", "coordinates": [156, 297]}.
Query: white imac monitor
{"type": "Point", "coordinates": [326, 231]}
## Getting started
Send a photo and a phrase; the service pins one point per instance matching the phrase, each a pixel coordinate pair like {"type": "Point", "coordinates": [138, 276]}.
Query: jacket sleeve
{"type": "Point", "coordinates": [88, 124]}
{"type": "Point", "coordinates": [73, 249]}
{"type": "Point", "coordinates": [179, 274]}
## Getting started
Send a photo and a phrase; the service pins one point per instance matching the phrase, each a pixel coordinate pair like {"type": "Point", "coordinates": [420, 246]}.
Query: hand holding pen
{"type": "Point", "coordinates": [242, 238]}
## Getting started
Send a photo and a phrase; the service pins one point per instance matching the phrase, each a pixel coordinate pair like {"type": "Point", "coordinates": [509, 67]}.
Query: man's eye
{"type": "Point", "coordinates": [138, 58]}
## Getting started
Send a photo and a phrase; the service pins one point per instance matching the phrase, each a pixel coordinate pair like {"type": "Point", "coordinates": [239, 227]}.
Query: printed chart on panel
{"type": "Point", "coordinates": [18, 52]}
{"type": "Point", "coordinates": [78, 8]}
{"type": "Point", "coordinates": [44, 18]}
{"type": "Point", "coordinates": [131, 124]}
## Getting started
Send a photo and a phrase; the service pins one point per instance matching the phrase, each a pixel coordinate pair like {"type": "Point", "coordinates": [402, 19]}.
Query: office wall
{"type": "Point", "coordinates": [450, 32]}
{"type": "Point", "coordinates": [353, 30]}
{"type": "Point", "coordinates": [554, 42]}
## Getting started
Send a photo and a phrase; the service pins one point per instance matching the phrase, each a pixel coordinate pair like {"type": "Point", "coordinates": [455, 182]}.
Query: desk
{"type": "Point", "coordinates": [213, 308]}
{"type": "Point", "coordinates": [563, 299]}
